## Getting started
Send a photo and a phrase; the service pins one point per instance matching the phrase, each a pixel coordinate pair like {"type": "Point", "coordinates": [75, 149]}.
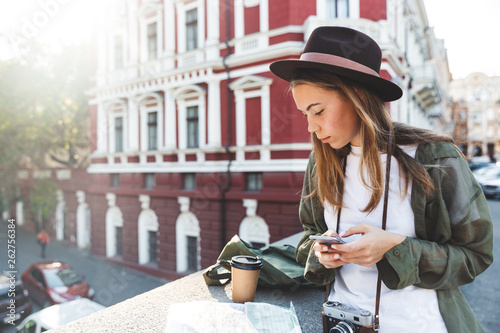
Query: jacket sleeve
{"type": "Point", "coordinates": [454, 230]}
{"type": "Point", "coordinates": [312, 219]}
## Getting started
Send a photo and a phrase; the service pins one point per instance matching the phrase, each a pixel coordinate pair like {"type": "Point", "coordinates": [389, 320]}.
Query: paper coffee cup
{"type": "Point", "coordinates": [245, 275]}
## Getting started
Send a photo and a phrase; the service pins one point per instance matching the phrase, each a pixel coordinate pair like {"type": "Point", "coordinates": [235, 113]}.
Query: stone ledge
{"type": "Point", "coordinates": [148, 312]}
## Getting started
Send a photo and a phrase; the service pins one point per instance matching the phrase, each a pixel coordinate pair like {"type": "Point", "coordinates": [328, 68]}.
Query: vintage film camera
{"type": "Point", "coordinates": [342, 318]}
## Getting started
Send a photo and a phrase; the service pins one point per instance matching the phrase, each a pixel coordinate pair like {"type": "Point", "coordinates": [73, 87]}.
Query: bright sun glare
{"type": "Point", "coordinates": [48, 21]}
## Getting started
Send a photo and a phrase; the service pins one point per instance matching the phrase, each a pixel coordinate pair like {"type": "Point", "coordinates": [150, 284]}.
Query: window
{"type": "Point", "coordinates": [152, 246]}
{"type": "Point", "coordinates": [152, 41]}
{"type": "Point", "coordinates": [192, 253]}
{"type": "Point", "coordinates": [149, 180]}
{"type": "Point", "coordinates": [118, 134]}
{"type": "Point", "coordinates": [118, 241]}
{"type": "Point", "coordinates": [189, 180]}
{"type": "Point", "coordinates": [152, 130]}
{"type": "Point", "coordinates": [192, 127]}
{"type": "Point", "coordinates": [253, 181]}
{"type": "Point", "coordinates": [115, 180]}
{"type": "Point", "coordinates": [337, 9]}
{"type": "Point", "coordinates": [118, 52]}
{"type": "Point", "coordinates": [191, 29]}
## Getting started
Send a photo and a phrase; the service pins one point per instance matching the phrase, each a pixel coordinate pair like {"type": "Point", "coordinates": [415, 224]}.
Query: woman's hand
{"type": "Point", "coordinates": [365, 251]}
{"type": "Point", "coordinates": [325, 254]}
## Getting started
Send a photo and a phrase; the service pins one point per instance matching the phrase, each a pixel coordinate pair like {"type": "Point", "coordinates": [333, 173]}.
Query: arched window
{"type": "Point", "coordinates": [192, 116]}
{"type": "Point", "coordinates": [114, 226]}
{"type": "Point", "coordinates": [118, 130]}
{"type": "Point", "coordinates": [253, 228]}
{"type": "Point", "coordinates": [82, 222]}
{"type": "Point", "coordinates": [151, 128]}
{"type": "Point", "coordinates": [61, 227]}
{"type": "Point", "coordinates": [253, 114]}
{"type": "Point", "coordinates": [187, 229]}
{"type": "Point", "coordinates": [147, 231]}
{"type": "Point", "coordinates": [20, 212]}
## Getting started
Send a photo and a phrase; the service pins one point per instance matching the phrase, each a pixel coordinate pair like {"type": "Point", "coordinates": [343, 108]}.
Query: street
{"type": "Point", "coordinates": [483, 294]}
{"type": "Point", "coordinates": [114, 283]}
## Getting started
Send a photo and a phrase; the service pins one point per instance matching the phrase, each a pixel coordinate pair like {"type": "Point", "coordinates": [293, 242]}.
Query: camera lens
{"type": "Point", "coordinates": [343, 327]}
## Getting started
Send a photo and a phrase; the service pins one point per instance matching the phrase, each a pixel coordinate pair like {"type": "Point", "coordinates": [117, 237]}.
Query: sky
{"type": "Point", "coordinates": [470, 31]}
{"type": "Point", "coordinates": [469, 28]}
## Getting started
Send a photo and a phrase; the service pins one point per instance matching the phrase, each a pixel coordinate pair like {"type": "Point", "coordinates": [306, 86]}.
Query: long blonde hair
{"type": "Point", "coordinates": [376, 124]}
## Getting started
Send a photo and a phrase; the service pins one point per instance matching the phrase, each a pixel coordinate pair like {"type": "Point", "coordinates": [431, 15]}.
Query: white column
{"type": "Point", "coordinates": [169, 31]}
{"type": "Point", "coordinates": [212, 29]}
{"type": "Point", "coordinates": [202, 118]}
{"type": "Point", "coordinates": [170, 121]}
{"type": "Point", "coordinates": [181, 27]}
{"type": "Point", "coordinates": [239, 19]}
{"type": "Point", "coordinates": [132, 125]}
{"type": "Point", "coordinates": [265, 103]}
{"type": "Point", "coordinates": [182, 124]}
{"type": "Point", "coordinates": [264, 15]}
{"type": "Point", "coordinates": [241, 131]}
{"type": "Point", "coordinates": [102, 129]}
{"type": "Point", "coordinates": [133, 35]}
{"type": "Point", "coordinates": [214, 114]}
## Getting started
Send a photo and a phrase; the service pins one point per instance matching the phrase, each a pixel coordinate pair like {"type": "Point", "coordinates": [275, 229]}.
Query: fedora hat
{"type": "Point", "coordinates": [345, 52]}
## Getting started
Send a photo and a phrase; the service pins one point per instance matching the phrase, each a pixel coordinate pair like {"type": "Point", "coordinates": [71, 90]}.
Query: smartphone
{"type": "Point", "coordinates": [328, 240]}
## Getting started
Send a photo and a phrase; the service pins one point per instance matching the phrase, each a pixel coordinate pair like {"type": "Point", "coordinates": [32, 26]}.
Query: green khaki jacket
{"type": "Point", "coordinates": [454, 241]}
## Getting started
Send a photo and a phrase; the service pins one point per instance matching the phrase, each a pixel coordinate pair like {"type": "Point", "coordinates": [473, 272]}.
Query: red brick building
{"type": "Point", "coordinates": [194, 140]}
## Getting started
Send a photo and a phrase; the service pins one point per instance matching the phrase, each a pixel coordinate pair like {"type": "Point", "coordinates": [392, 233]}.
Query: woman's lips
{"type": "Point", "coordinates": [325, 140]}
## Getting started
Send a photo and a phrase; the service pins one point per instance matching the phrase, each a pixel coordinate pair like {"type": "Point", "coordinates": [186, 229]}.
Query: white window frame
{"type": "Point", "coordinates": [114, 36]}
{"type": "Point", "coordinates": [114, 219]}
{"type": "Point", "coordinates": [322, 14]}
{"type": "Point", "coordinates": [60, 216]}
{"type": "Point", "coordinates": [185, 97]}
{"type": "Point", "coordinates": [182, 7]}
{"type": "Point", "coordinates": [148, 221]}
{"type": "Point", "coordinates": [253, 228]}
{"type": "Point", "coordinates": [83, 222]}
{"type": "Point", "coordinates": [145, 19]}
{"type": "Point", "coordinates": [143, 111]}
{"type": "Point", "coordinates": [112, 115]}
{"type": "Point", "coordinates": [245, 88]}
{"type": "Point", "coordinates": [186, 225]}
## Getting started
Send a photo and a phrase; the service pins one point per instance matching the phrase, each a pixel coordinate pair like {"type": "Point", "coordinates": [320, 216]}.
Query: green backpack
{"type": "Point", "coordinates": [279, 268]}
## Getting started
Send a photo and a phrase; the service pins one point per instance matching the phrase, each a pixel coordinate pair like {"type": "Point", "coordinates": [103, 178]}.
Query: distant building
{"type": "Point", "coordinates": [194, 140]}
{"type": "Point", "coordinates": [478, 99]}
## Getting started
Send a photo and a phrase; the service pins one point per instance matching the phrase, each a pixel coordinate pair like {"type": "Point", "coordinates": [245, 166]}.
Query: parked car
{"type": "Point", "coordinates": [15, 304]}
{"type": "Point", "coordinates": [58, 315]}
{"type": "Point", "coordinates": [487, 173]}
{"type": "Point", "coordinates": [491, 188]}
{"type": "Point", "coordinates": [54, 282]}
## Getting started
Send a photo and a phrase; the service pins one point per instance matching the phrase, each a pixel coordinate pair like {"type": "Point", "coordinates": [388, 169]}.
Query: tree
{"type": "Point", "coordinates": [43, 201]}
{"type": "Point", "coordinates": [43, 111]}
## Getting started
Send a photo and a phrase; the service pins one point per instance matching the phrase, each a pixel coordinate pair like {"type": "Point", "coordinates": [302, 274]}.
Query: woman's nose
{"type": "Point", "coordinates": [312, 126]}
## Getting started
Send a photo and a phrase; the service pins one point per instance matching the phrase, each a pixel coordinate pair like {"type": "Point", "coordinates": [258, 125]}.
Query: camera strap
{"type": "Point", "coordinates": [390, 150]}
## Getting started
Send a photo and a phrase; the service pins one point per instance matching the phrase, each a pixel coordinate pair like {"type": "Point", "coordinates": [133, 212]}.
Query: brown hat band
{"type": "Point", "coordinates": [331, 59]}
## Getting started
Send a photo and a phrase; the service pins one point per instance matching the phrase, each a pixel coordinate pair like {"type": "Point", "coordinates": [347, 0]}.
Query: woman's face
{"type": "Point", "coordinates": [330, 115]}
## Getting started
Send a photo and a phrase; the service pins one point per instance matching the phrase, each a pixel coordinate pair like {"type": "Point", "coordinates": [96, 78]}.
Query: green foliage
{"type": "Point", "coordinates": [43, 200]}
{"type": "Point", "coordinates": [44, 118]}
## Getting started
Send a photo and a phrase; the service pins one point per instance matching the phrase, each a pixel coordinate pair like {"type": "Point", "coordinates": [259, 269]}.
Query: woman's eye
{"type": "Point", "coordinates": [304, 115]}
{"type": "Point", "coordinates": [318, 113]}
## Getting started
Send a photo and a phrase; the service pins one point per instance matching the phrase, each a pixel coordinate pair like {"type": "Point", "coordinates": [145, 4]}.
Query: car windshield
{"type": "Point", "coordinates": [62, 278]}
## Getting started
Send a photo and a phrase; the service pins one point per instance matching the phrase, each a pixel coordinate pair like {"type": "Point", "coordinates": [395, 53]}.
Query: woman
{"type": "Point", "coordinates": [438, 229]}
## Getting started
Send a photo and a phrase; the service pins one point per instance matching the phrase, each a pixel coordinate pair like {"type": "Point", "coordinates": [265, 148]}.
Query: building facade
{"type": "Point", "coordinates": [194, 140]}
{"type": "Point", "coordinates": [478, 99]}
